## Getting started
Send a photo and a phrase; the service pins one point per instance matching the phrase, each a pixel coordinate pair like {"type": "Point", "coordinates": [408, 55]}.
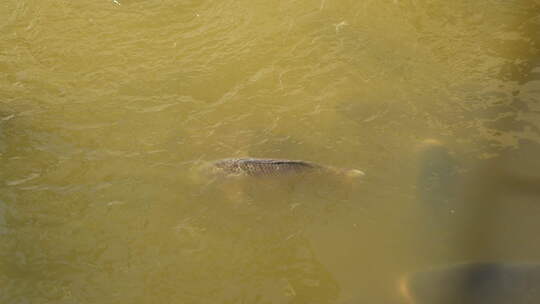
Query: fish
{"type": "Point", "coordinates": [248, 179]}
{"type": "Point", "coordinates": [474, 283]}
{"type": "Point", "coordinates": [267, 167]}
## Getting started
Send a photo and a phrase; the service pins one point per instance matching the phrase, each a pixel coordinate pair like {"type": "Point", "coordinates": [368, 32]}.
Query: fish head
{"type": "Point", "coordinates": [354, 173]}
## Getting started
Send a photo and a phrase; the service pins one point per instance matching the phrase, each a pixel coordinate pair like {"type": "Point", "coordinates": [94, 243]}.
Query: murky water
{"type": "Point", "coordinates": [106, 106]}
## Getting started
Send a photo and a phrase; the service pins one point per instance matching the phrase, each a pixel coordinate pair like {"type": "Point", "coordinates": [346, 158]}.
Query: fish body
{"type": "Point", "coordinates": [259, 167]}
{"type": "Point", "coordinates": [246, 179]}
{"type": "Point", "coordinates": [264, 167]}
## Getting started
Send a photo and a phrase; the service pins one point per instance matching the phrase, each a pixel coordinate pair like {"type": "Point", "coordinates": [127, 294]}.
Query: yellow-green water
{"type": "Point", "coordinates": [105, 106]}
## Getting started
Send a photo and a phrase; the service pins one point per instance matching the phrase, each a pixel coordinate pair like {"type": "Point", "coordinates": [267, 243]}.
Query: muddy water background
{"type": "Point", "coordinates": [105, 106]}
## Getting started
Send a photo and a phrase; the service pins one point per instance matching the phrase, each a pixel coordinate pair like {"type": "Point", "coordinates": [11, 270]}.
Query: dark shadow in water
{"type": "Point", "coordinates": [474, 283]}
{"type": "Point", "coordinates": [486, 208]}
{"type": "Point", "coordinates": [487, 190]}
{"type": "Point", "coordinates": [469, 206]}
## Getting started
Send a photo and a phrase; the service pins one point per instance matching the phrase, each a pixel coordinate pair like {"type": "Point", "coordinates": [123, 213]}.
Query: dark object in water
{"type": "Point", "coordinates": [263, 167]}
{"type": "Point", "coordinates": [437, 176]}
{"type": "Point", "coordinates": [474, 283]}
{"type": "Point", "coordinates": [260, 167]}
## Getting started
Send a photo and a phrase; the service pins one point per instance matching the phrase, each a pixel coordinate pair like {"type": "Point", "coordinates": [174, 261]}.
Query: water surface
{"type": "Point", "coordinates": [105, 106]}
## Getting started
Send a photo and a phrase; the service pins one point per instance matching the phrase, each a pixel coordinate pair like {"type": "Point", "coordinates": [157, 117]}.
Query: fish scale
{"type": "Point", "coordinates": [263, 167]}
{"type": "Point", "coordinates": [259, 167]}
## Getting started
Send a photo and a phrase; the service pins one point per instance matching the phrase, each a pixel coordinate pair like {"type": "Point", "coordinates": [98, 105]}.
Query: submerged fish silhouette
{"type": "Point", "coordinates": [261, 167]}
{"type": "Point", "coordinates": [245, 179]}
